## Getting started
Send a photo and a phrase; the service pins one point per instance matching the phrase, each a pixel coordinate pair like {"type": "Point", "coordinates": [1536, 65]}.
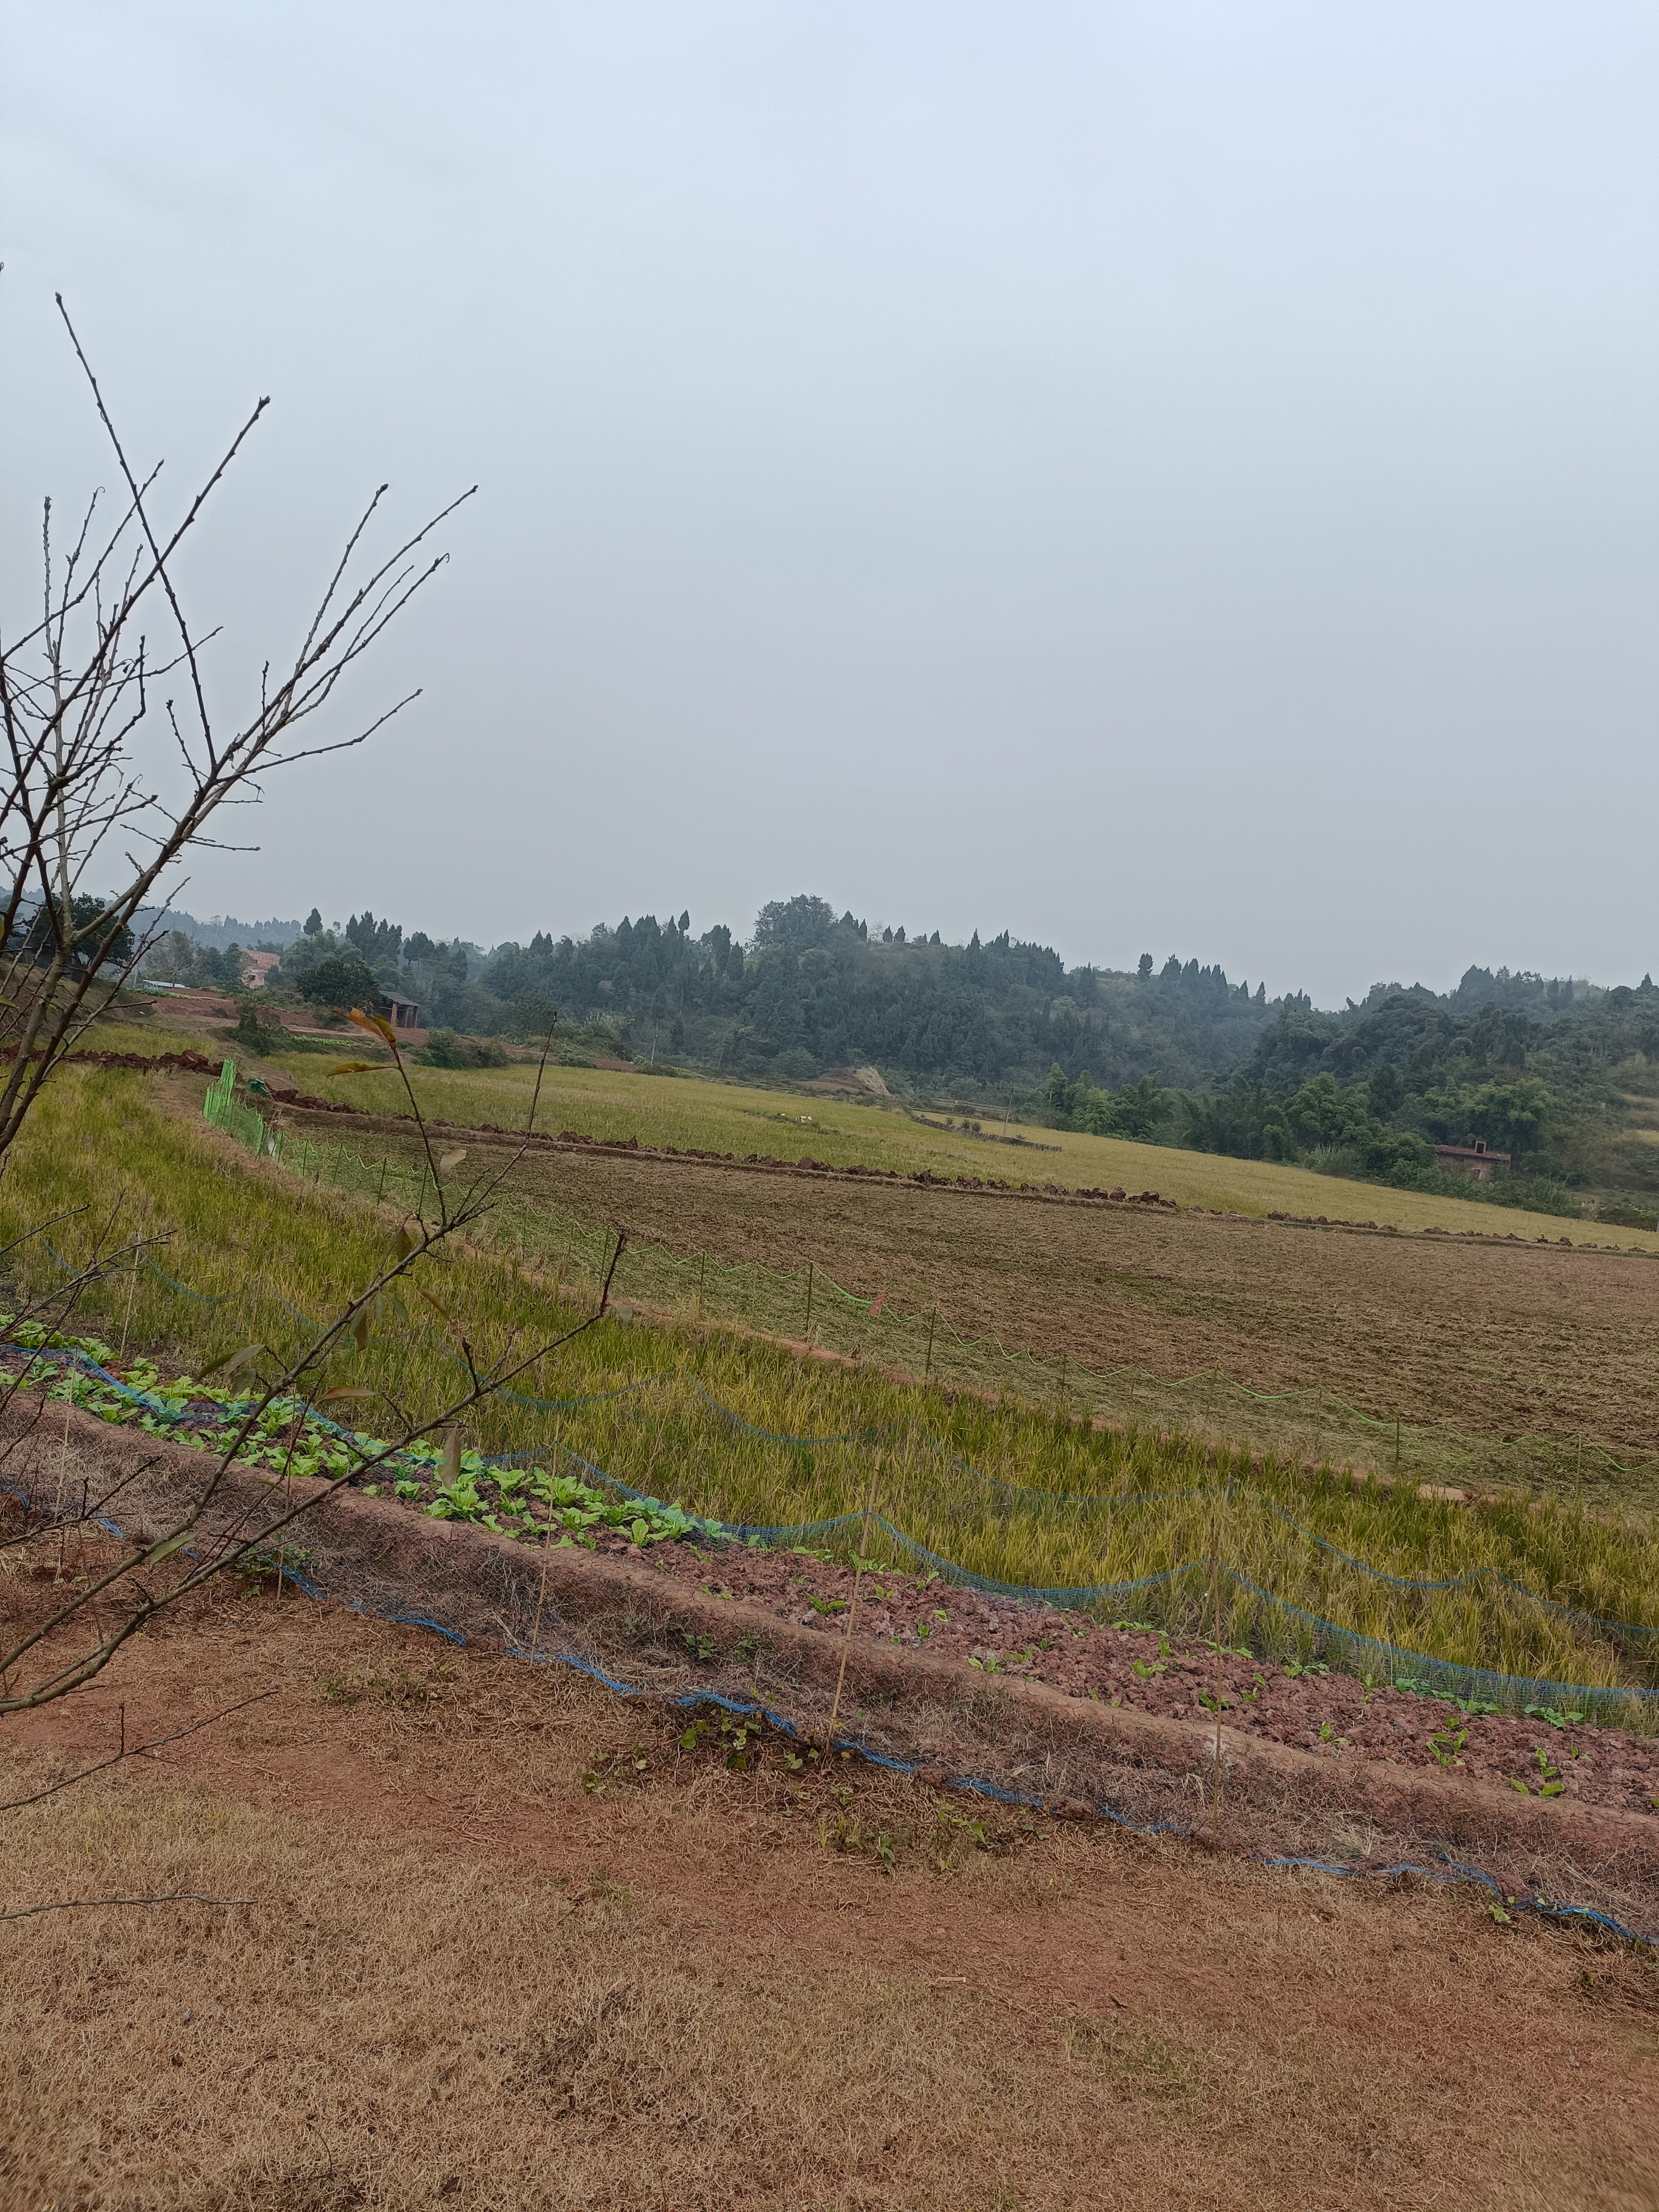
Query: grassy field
{"type": "Point", "coordinates": [732, 1118]}
{"type": "Point", "coordinates": [253, 1246]}
{"type": "Point", "coordinates": [1436, 1360]}
{"type": "Point", "coordinates": [1444, 1358]}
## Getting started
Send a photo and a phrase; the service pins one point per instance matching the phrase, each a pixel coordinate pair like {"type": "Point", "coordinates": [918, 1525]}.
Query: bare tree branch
{"type": "Point", "coordinates": [77, 1672]}
{"type": "Point", "coordinates": [133, 1750]}
{"type": "Point", "coordinates": [82, 1904]}
{"type": "Point", "coordinates": [78, 706]}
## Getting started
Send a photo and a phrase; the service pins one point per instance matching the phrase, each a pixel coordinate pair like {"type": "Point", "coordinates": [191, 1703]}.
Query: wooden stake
{"type": "Point", "coordinates": [547, 1541]}
{"type": "Point", "coordinates": [1215, 1678]}
{"type": "Point", "coordinates": [851, 1610]}
{"type": "Point", "coordinates": [62, 1470]}
{"type": "Point", "coordinates": [132, 1285]}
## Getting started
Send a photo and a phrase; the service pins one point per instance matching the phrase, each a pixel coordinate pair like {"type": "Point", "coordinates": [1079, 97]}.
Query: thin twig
{"type": "Point", "coordinates": [78, 1673]}
{"type": "Point", "coordinates": [135, 1750]}
{"type": "Point", "coordinates": [81, 1904]}
{"type": "Point", "coordinates": [535, 1096]}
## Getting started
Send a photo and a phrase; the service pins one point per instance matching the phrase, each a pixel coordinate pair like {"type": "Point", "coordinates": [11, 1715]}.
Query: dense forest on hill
{"type": "Point", "coordinates": [1562, 1075]}
{"type": "Point", "coordinates": [808, 991]}
{"type": "Point", "coordinates": [1559, 1073]}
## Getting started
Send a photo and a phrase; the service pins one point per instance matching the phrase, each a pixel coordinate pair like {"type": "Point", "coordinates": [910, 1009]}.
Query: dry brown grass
{"type": "Point", "coordinates": [1496, 1340]}
{"type": "Point", "coordinates": [466, 1980]}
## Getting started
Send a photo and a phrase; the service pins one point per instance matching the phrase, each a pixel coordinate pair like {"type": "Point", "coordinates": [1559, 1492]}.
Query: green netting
{"type": "Point", "coordinates": [1209, 1595]}
{"type": "Point", "coordinates": [243, 1123]}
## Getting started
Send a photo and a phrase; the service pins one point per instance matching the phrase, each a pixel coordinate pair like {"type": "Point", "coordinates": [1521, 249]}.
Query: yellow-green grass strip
{"type": "Point", "coordinates": [256, 1237]}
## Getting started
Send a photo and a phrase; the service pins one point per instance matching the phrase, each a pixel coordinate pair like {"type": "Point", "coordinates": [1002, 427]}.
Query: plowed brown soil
{"type": "Point", "coordinates": [497, 1956]}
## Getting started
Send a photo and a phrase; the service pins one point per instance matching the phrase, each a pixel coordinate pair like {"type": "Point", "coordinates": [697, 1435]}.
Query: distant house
{"type": "Point", "coordinates": [1473, 1159]}
{"type": "Point", "coordinates": [402, 1013]}
{"type": "Point", "coordinates": [256, 967]}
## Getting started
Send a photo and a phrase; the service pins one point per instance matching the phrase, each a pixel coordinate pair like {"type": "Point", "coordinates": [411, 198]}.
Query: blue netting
{"type": "Point", "coordinates": [1452, 1870]}
{"type": "Point", "coordinates": [1275, 1623]}
{"type": "Point", "coordinates": [1272, 1616]}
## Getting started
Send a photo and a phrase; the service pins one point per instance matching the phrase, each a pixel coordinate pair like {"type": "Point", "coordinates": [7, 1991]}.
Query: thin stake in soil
{"type": "Point", "coordinates": [1215, 1680]}
{"type": "Point", "coordinates": [547, 1542]}
{"type": "Point", "coordinates": [58, 1510]}
{"type": "Point", "coordinates": [126, 1317]}
{"type": "Point", "coordinates": [132, 1279]}
{"type": "Point", "coordinates": [853, 1609]}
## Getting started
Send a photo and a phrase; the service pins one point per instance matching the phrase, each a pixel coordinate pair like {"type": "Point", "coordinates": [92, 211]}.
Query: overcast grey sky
{"type": "Point", "coordinates": [1157, 478]}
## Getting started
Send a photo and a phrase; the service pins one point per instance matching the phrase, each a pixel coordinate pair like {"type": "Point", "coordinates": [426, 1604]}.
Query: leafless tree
{"type": "Point", "coordinates": [112, 662]}
{"type": "Point", "coordinates": [116, 766]}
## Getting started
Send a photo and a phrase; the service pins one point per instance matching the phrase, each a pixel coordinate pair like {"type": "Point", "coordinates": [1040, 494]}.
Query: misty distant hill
{"type": "Point", "coordinates": [221, 932]}
{"type": "Point", "coordinates": [813, 990]}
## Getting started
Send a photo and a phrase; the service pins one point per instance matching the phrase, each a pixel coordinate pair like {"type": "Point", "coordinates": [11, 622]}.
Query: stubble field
{"type": "Point", "coordinates": [1525, 1348]}
{"type": "Point", "coordinates": [741, 1118]}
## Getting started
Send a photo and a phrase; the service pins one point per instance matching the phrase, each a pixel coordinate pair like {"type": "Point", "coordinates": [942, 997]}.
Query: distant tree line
{"type": "Point", "coordinates": [809, 990]}
{"type": "Point", "coordinates": [1521, 1063]}
{"type": "Point", "coordinates": [1178, 1053]}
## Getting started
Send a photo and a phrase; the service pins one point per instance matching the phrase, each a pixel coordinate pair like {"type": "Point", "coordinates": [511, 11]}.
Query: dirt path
{"type": "Point", "coordinates": [469, 1978]}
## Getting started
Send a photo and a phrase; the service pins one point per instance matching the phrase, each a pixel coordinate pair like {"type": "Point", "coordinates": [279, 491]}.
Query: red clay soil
{"type": "Point", "coordinates": [743, 1619]}
{"type": "Point", "coordinates": [1328, 1714]}
{"type": "Point", "coordinates": [1270, 2040]}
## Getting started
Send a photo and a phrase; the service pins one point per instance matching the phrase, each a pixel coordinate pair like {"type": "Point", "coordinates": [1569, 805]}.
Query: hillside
{"type": "Point", "coordinates": [1556, 1072]}
{"type": "Point", "coordinates": [1559, 1074]}
{"type": "Point", "coordinates": [807, 992]}
{"type": "Point", "coordinates": [1452, 1312]}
